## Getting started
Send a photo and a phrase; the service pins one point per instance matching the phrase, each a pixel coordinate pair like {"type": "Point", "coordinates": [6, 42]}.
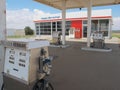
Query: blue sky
{"type": "Point", "coordinates": [20, 4]}
{"type": "Point", "coordinates": [22, 13]}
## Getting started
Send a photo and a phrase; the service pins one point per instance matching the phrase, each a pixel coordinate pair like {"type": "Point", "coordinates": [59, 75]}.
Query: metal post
{"type": "Point", "coordinates": [89, 22]}
{"type": "Point", "coordinates": [63, 21]}
{"type": "Point", "coordinates": [2, 36]}
{"type": "Point", "coordinates": [98, 25]}
{"type": "Point", "coordinates": [56, 26]}
{"type": "Point", "coordinates": [51, 28]}
{"type": "Point", "coordinates": [39, 30]}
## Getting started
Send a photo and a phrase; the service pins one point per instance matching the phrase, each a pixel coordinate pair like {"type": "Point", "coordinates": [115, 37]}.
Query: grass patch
{"type": "Point", "coordinates": [116, 35]}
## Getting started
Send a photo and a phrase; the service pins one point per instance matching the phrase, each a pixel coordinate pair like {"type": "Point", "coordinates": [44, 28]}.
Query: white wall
{"type": "Point", "coordinates": [11, 32]}
{"type": "Point", "coordinates": [2, 35]}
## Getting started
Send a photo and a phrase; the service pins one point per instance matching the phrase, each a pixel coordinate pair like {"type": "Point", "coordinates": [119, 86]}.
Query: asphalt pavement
{"type": "Point", "coordinates": [75, 69]}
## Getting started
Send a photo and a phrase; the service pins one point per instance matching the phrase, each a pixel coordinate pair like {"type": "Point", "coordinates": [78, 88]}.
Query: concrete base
{"type": "Point", "coordinates": [96, 49]}
{"type": "Point", "coordinates": [12, 84]}
{"type": "Point", "coordinates": [59, 46]}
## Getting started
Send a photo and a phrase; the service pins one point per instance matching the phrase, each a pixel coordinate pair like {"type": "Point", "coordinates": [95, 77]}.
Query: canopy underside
{"type": "Point", "coordinates": [77, 3]}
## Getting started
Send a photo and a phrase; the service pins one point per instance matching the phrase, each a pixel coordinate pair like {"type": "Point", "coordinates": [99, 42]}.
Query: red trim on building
{"type": "Point", "coordinates": [72, 19]}
{"type": "Point", "coordinates": [42, 21]}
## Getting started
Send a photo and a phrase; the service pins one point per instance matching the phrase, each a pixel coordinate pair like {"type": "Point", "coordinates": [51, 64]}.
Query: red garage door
{"type": "Point", "coordinates": [78, 28]}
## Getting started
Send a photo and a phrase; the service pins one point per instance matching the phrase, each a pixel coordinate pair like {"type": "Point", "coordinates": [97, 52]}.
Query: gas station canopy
{"type": "Point", "coordinates": [77, 3]}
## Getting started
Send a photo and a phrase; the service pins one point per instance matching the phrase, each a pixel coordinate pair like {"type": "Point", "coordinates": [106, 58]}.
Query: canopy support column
{"type": "Point", "coordinates": [2, 36]}
{"type": "Point", "coordinates": [89, 7]}
{"type": "Point", "coordinates": [63, 21]}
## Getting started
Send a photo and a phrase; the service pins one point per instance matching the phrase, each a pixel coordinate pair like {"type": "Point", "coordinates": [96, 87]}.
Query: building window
{"type": "Point", "coordinates": [53, 26]}
{"type": "Point", "coordinates": [45, 28]}
{"type": "Point", "coordinates": [85, 22]}
{"type": "Point", "coordinates": [68, 25]}
{"type": "Point", "coordinates": [94, 25]}
{"type": "Point", "coordinates": [37, 24]}
{"type": "Point", "coordinates": [104, 26]}
{"type": "Point", "coordinates": [37, 32]}
{"type": "Point", "coordinates": [37, 29]}
{"type": "Point", "coordinates": [59, 26]}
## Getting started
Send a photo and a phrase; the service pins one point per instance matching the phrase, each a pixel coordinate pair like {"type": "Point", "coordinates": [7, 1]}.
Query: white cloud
{"type": "Point", "coordinates": [19, 18]}
{"type": "Point", "coordinates": [116, 23]}
{"type": "Point", "coordinates": [24, 17]}
{"type": "Point", "coordinates": [38, 14]}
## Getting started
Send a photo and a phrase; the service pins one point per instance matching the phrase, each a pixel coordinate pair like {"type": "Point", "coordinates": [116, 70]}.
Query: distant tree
{"type": "Point", "coordinates": [28, 31]}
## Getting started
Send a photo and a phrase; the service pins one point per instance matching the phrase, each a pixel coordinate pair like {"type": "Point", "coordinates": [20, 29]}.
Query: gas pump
{"type": "Point", "coordinates": [98, 40]}
{"type": "Point", "coordinates": [26, 61]}
{"type": "Point", "coordinates": [43, 72]}
{"type": "Point", "coordinates": [72, 33]}
{"type": "Point", "coordinates": [56, 38]}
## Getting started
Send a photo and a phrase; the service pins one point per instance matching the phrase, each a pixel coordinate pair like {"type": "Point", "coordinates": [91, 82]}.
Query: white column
{"type": "Point", "coordinates": [35, 29]}
{"type": "Point", "coordinates": [63, 21]}
{"type": "Point", "coordinates": [89, 7]}
{"type": "Point", "coordinates": [2, 35]}
{"type": "Point", "coordinates": [110, 29]}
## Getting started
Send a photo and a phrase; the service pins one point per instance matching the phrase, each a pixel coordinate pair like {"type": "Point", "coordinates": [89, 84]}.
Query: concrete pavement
{"type": "Point", "coordinates": [75, 69]}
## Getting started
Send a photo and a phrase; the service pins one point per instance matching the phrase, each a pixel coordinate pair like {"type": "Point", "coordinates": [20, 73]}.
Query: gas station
{"type": "Point", "coordinates": [17, 57]}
